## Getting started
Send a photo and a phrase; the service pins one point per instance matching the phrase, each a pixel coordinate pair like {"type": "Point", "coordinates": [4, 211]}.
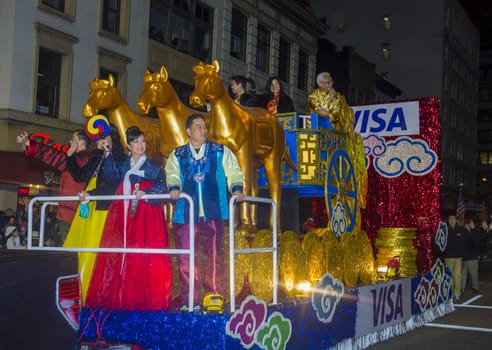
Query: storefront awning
{"type": "Point", "coordinates": [18, 169]}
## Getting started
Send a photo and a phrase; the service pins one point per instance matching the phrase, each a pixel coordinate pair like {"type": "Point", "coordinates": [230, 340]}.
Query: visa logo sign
{"type": "Point", "coordinates": [391, 119]}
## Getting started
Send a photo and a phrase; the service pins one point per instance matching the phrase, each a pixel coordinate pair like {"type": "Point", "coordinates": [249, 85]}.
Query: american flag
{"type": "Point", "coordinates": [460, 207]}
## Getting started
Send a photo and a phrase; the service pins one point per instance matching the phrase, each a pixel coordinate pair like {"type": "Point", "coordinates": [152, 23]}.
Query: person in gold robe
{"type": "Point", "coordinates": [327, 102]}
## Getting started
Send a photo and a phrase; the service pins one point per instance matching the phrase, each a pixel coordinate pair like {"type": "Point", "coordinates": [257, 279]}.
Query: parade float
{"type": "Point", "coordinates": [364, 271]}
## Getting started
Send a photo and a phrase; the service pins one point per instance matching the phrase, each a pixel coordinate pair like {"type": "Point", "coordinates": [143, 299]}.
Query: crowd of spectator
{"type": "Point", "coordinates": [13, 230]}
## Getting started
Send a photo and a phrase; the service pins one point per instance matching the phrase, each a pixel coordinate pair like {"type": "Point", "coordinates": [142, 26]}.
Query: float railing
{"type": "Point", "coordinates": [54, 200]}
{"type": "Point", "coordinates": [233, 251]}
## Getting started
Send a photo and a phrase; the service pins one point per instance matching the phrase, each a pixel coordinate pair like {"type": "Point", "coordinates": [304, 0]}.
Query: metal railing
{"type": "Point", "coordinates": [54, 201]}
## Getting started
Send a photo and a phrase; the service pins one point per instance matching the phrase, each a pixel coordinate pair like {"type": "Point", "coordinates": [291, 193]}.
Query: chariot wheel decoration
{"type": "Point", "coordinates": [341, 193]}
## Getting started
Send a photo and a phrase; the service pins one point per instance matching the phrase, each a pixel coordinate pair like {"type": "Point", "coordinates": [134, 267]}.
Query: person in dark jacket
{"type": "Point", "coordinates": [239, 93]}
{"type": "Point", "coordinates": [275, 100]}
{"type": "Point", "coordinates": [453, 254]}
{"type": "Point", "coordinates": [486, 241]}
{"type": "Point", "coordinates": [471, 256]}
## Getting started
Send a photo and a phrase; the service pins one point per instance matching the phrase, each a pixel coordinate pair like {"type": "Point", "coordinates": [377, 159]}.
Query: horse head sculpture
{"type": "Point", "coordinates": [104, 95]}
{"type": "Point", "coordinates": [159, 93]}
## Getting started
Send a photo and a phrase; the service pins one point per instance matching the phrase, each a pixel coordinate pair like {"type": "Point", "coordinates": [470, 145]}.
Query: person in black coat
{"type": "Point", "coordinates": [275, 100]}
{"type": "Point", "coordinates": [471, 256]}
{"type": "Point", "coordinates": [238, 91]}
{"type": "Point", "coordinates": [104, 186]}
{"type": "Point", "coordinates": [454, 252]}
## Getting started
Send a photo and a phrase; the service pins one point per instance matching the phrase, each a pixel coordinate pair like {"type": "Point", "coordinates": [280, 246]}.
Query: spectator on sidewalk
{"type": "Point", "coordinates": [471, 256]}
{"type": "Point", "coordinates": [453, 254]}
{"type": "Point", "coordinates": [485, 240]}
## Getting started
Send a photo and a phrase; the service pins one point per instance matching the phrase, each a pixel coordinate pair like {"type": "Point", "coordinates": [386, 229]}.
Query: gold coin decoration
{"type": "Point", "coordinates": [366, 272]}
{"type": "Point", "coordinates": [261, 274]}
{"type": "Point", "coordinates": [350, 263]}
{"type": "Point", "coordinates": [358, 260]}
{"type": "Point", "coordinates": [293, 267]}
{"type": "Point", "coordinates": [242, 263]}
{"type": "Point", "coordinates": [311, 245]}
{"type": "Point", "coordinates": [333, 254]}
{"type": "Point", "coordinates": [397, 241]}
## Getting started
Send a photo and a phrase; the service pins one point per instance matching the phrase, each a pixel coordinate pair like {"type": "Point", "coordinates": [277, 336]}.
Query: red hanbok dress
{"type": "Point", "coordinates": [134, 281]}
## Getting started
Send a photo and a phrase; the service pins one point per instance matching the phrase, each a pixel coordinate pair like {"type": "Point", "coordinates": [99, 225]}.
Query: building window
{"type": "Point", "coordinates": [484, 136]}
{"type": "Point", "coordinates": [485, 115]}
{"type": "Point", "coordinates": [263, 49]}
{"type": "Point", "coordinates": [61, 8]}
{"type": "Point", "coordinates": [340, 28]}
{"type": "Point", "coordinates": [114, 19]}
{"type": "Point", "coordinates": [111, 16]}
{"type": "Point", "coordinates": [56, 4]}
{"type": "Point", "coordinates": [238, 35]}
{"type": "Point", "coordinates": [386, 21]}
{"type": "Point", "coordinates": [185, 25]}
{"type": "Point", "coordinates": [115, 64]}
{"type": "Point", "coordinates": [385, 50]}
{"type": "Point", "coordinates": [53, 74]}
{"type": "Point", "coordinates": [485, 158]}
{"type": "Point", "coordinates": [48, 87]}
{"type": "Point", "coordinates": [284, 60]}
{"type": "Point", "coordinates": [202, 29]}
{"type": "Point", "coordinates": [302, 73]}
{"type": "Point", "coordinates": [104, 74]}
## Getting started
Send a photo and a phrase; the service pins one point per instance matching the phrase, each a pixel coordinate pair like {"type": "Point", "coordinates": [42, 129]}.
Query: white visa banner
{"type": "Point", "coordinates": [389, 119]}
{"type": "Point", "coordinates": [382, 305]}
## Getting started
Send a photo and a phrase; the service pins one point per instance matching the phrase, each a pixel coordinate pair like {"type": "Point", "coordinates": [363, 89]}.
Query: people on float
{"type": "Point", "coordinates": [327, 102]}
{"type": "Point", "coordinates": [13, 239]}
{"type": "Point", "coordinates": [471, 256]}
{"type": "Point", "coordinates": [133, 281]}
{"type": "Point", "coordinates": [239, 93]}
{"type": "Point", "coordinates": [205, 171]}
{"type": "Point", "coordinates": [275, 100]}
{"type": "Point", "coordinates": [453, 253]}
{"type": "Point", "coordinates": [58, 159]}
{"type": "Point", "coordinates": [87, 225]}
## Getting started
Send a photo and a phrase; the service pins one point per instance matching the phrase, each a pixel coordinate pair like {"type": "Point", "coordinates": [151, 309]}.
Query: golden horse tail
{"type": "Point", "coordinates": [288, 160]}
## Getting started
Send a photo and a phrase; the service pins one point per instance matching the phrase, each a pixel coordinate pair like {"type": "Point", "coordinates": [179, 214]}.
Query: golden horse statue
{"type": "Point", "coordinates": [104, 95]}
{"type": "Point", "coordinates": [159, 93]}
{"type": "Point", "coordinates": [255, 136]}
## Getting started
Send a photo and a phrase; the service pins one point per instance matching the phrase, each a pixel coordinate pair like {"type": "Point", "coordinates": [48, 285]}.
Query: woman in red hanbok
{"type": "Point", "coordinates": [133, 281]}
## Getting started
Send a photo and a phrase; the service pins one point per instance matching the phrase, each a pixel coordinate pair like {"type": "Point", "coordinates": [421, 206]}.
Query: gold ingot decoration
{"type": "Point", "coordinates": [261, 274]}
{"type": "Point", "coordinates": [333, 254]}
{"type": "Point", "coordinates": [397, 241]}
{"type": "Point", "coordinates": [254, 135]}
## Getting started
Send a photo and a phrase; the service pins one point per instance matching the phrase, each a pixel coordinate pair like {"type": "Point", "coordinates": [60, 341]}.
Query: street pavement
{"type": "Point", "coordinates": [468, 327]}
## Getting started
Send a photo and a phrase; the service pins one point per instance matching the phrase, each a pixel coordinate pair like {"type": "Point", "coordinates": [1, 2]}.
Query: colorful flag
{"type": "Point", "coordinates": [460, 207]}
